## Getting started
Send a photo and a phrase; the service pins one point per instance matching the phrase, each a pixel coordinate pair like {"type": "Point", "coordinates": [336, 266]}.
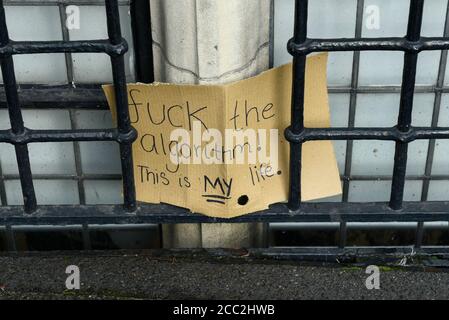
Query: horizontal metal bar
{"type": "Point", "coordinates": [49, 228]}
{"type": "Point", "coordinates": [100, 176]}
{"type": "Point", "coordinates": [388, 178]}
{"type": "Point", "coordinates": [334, 226]}
{"type": "Point", "coordinates": [372, 89]}
{"type": "Point", "coordinates": [81, 177]}
{"type": "Point", "coordinates": [299, 226]}
{"type": "Point", "coordinates": [65, 96]}
{"type": "Point", "coordinates": [58, 2]}
{"type": "Point", "coordinates": [367, 44]}
{"type": "Point", "coordinates": [393, 134]}
{"type": "Point", "coordinates": [91, 96]}
{"type": "Point", "coordinates": [30, 135]}
{"type": "Point", "coordinates": [274, 227]}
{"type": "Point", "coordinates": [163, 213]}
{"type": "Point", "coordinates": [85, 46]}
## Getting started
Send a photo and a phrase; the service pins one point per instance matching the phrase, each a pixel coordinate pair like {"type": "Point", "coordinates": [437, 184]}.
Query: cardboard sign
{"type": "Point", "coordinates": [180, 158]}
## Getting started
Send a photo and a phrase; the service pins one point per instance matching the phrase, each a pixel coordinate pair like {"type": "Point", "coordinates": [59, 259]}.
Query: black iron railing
{"type": "Point", "coordinates": [20, 136]}
{"type": "Point", "coordinates": [403, 133]}
{"type": "Point", "coordinates": [295, 211]}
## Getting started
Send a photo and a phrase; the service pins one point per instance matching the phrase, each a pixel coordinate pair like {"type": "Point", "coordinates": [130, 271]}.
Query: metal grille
{"type": "Point", "coordinates": [82, 96]}
{"type": "Point", "coordinates": [295, 211]}
{"type": "Point", "coordinates": [20, 136]}
{"type": "Point", "coordinates": [403, 133]}
{"type": "Point", "coordinates": [355, 89]}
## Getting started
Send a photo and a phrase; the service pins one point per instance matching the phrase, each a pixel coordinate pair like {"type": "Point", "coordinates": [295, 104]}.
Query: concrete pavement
{"type": "Point", "coordinates": [156, 275]}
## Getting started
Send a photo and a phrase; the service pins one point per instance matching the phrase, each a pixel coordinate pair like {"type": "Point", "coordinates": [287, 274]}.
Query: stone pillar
{"type": "Point", "coordinates": [210, 42]}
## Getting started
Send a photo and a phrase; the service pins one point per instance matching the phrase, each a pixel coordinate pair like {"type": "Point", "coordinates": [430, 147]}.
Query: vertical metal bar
{"type": "Point", "coordinates": [10, 238]}
{"type": "Point", "coordinates": [271, 54]}
{"type": "Point", "coordinates": [15, 115]}
{"type": "Point", "coordinates": [419, 234]}
{"type": "Point", "coordinates": [143, 47]}
{"type": "Point", "coordinates": [297, 108]}
{"type": "Point", "coordinates": [343, 234]}
{"type": "Point", "coordinates": [3, 199]}
{"type": "Point", "coordinates": [66, 37]}
{"type": "Point", "coordinates": [73, 124]}
{"type": "Point", "coordinates": [447, 230]}
{"type": "Point", "coordinates": [406, 104]}
{"type": "Point", "coordinates": [121, 96]}
{"type": "Point", "coordinates": [86, 237]}
{"type": "Point", "coordinates": [78, 165]}
{"type": "Point", "coordinates": [436, 111]}
{"type": "Point", "coordinates": [143, 40]}
{"type": "Point", "coordinates": [353, 100]}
